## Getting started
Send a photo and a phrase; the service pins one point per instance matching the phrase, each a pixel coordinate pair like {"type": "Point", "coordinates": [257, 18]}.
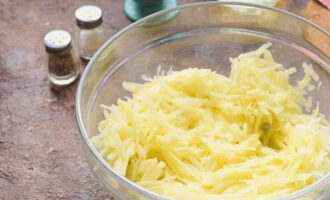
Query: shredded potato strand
{"type": "Point", "coordinates": [195, 134]}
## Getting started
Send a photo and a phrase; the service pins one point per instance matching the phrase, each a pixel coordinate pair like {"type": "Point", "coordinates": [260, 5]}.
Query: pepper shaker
{"type": "Point", "coordinates": [61, 60]}
{"type": "Point", "coordinates": [89, 32]}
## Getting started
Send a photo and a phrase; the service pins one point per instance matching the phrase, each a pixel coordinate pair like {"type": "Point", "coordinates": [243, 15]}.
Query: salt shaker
{"type": "Point", "coordinates": [89, 33]}
{"type": "Point", "coordinates": [61, 60]}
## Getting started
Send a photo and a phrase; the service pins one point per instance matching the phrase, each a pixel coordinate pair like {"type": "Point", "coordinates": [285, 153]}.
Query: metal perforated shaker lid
{"type": "Point", "coordinates": [88, 16]}
{"type": "Point", "coordinates": [57, 41]}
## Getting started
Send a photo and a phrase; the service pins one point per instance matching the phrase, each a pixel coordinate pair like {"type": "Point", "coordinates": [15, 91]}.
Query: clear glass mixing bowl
{"type": "Point", "coordinates": [198, 35]}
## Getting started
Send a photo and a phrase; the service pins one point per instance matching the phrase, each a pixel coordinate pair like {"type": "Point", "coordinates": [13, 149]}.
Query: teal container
{"type": "Point", "coordinates": [137, 9]}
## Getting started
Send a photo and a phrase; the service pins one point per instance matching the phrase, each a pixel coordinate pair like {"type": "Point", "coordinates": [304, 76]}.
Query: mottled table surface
{"type": "Point", "coordinates": [40, 152]}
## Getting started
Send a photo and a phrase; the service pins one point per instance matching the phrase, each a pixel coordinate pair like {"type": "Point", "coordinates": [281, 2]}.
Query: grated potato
{"type": "Point", "coordinates": [195, 134]}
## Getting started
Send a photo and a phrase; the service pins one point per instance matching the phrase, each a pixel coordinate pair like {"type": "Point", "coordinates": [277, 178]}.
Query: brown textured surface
{"type": "Point", "coordinates": [40, 152]}
{"type": "Point", "coordinates": [320, 15]}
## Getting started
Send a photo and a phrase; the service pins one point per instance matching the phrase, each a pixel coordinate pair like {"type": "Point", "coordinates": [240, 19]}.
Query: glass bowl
{"type": "Point", "coordinates": [201, 35]}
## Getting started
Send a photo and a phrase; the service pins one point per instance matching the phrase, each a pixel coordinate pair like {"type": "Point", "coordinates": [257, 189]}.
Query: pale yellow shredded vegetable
{"type": "Point", "coordinates": [195, 134]}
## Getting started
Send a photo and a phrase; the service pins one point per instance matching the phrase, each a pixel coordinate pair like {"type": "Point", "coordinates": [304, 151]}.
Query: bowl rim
{"type": "Point", "coordinates": [79, 119]}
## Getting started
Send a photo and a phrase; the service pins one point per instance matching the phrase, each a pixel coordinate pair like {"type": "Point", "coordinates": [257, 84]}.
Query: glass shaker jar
{"type": "Point", "coordinates": [89, 33]}
{"type": "Point", "coordinates": [61, 60]}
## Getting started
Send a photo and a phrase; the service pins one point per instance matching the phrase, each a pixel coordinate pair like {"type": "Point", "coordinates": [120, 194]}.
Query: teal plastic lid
{"type": "Point", "coordinates": [137, 9]}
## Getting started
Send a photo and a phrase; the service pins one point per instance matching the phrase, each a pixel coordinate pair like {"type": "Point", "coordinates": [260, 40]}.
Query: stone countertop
{"type": "Point", "coordinates": [40, 152]}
